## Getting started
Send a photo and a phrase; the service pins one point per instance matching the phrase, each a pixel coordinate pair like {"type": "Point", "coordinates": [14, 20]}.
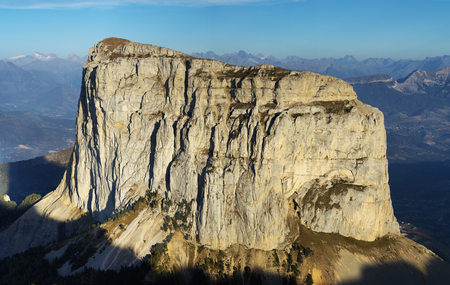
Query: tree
{"type": "Point", "coordinates": [309, 279]}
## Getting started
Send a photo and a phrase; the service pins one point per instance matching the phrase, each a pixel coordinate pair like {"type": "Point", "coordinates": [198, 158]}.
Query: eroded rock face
{"type": "Point", "coordinates": [255, 150]}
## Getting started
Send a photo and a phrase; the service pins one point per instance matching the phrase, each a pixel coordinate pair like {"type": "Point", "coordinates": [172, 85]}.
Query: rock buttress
{"type": "Point", "coordinates": [255, 151]}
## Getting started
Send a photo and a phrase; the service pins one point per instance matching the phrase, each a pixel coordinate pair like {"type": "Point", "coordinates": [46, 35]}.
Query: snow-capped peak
{"type": "Point", "coordinates": [16, 57]}
{"type": "Point", "coordinates": [41, 56]}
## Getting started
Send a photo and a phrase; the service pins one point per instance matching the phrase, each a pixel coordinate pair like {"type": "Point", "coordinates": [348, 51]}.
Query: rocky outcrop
{"type": "Point", "coordinates": [417, 110]}
{"type": "Point", "coordinates": [425, 82]}
{"type": "Point", "coordinates": [255, 151]}
{"type": "Point", "coordinates": [417, 82]}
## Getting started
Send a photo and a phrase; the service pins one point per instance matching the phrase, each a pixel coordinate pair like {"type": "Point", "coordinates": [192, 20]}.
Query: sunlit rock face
{"type": "Point", "coordinates": [256, 151]}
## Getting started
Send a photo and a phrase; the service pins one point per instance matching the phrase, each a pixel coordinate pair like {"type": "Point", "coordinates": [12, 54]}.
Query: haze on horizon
{"type": "Point", "coordinates": [309, 29]}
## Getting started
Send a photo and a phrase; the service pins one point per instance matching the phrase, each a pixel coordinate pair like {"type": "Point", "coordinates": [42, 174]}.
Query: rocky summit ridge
{"type": "Point", "coordinates": [254, 153]}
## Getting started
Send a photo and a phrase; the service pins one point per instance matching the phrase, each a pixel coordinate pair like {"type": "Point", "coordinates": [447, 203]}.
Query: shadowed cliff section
{"type": "Point", "coordinates": [25, 182]}
{"type": "Point", "coordinates": [39, 176]}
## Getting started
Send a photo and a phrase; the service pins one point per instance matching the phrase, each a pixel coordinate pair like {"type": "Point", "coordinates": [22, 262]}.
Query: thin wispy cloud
{"type": "Point", "coordinates": [76, 4]}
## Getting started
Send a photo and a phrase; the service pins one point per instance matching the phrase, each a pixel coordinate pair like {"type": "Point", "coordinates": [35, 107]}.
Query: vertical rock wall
{"type": "Point", "coordinates": [256, 151]}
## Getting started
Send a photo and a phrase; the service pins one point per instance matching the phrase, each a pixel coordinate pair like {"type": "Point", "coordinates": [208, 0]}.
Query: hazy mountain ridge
{"type": "Point", "coordinates": [342, 68]}
{"type": "Point", "coordinates": [38, 84]}
{"type": "Point", "coordinates": [24, 60]}
{"type": "Point", "coordinates": [44, 84]}
{"type": "Point", "coordinates": [21, 60]}
{"type": "Point", "coordinates": [417, 112]}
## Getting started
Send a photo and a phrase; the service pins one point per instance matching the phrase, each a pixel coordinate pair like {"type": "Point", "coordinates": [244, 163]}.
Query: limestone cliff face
{"type": "Point", "coordinates": [256, 151]}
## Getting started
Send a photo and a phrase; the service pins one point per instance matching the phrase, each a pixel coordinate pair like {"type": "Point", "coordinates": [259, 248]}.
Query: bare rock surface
{"type": "Point", "coordinates": [255, 151]}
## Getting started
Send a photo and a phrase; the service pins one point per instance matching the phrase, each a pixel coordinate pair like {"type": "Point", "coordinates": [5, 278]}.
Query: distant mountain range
{"type": "Point", "coordinates": [416, 109]}
{"type": "Point", "coordinates": [43, 84]}
{"type": "Point", "coordinates": [341, 68]}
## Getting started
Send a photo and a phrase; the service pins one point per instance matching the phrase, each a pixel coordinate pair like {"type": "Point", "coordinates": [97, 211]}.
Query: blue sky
{"type": "Point", "coordinates": [412, 29]}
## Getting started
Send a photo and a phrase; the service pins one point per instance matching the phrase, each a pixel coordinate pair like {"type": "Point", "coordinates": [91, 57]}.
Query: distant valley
{"type": "Point", "coordinates": [25, 135]}
{"type": "Point", "coordinates": [43, 174]}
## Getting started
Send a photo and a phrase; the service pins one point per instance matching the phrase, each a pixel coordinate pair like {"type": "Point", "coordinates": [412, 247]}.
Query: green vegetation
{"type": "Point", "coordinates": [217, 263]}
{"type": "Point", "coordinates": [241, 105]}
{"type": "Point", "coordinates": [119, 55]}
{"type": "Point", "coordinates": [159, 252]}
{"type": "Point", "coordinates": [336, 107]}
{"type": "Point", "coordinates": [235, 134]}
{"type": "Point", "coordinates": [262, 120]}
{"type": "Point", "coordinates": [289, 261]}
{"type": "Point", "coordinates": [342, 185]}
{"type": "Point", "coordinates": [249, 72]}
{"type": "Point", "coordinates": [321, 198]}
{"type": "Point", "coordinates": [200, 249]}
{"type": "Point", "coordinates": [9, 212]}
{"type": "Point", "coordinates": [270, 105]}
{"type": "Point", "coordinates": [166, 204]}
{"type": "Point", "coordinates": [184, 210]}
{"type": "Point", "coordinates": [30, 267]}
{"type": "Point", "coordinates": [296, 115]}
{"type": "Point", "coordinates": [179, 222]}
{"type": "Point", "coordinates": [309, 279]}
{"type": "Point", "coordinates": [29, 201]}
{"type": "Point", "coordinates": [152, 199]}
{"type": "Point", "coordinates": [77, 253]}
{"type": "Point", "coordinates": [7, 206]}
{"type": "Point", "coordinates": [133, 207]}
{"type": "Point", "coordinates": [276, 260]}
{"type": "Point", "coordinates": [243, 117]}
{"type": "Point", "coordinates": [289, 264]}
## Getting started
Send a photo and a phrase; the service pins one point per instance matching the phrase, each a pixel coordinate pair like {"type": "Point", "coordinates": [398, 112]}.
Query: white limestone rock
{"type": "Point", "coordinates": [256, 151]}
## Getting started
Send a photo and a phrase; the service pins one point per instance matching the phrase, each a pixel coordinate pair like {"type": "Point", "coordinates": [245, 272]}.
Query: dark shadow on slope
{"type": "Point", "coordinates": [402, 273]}
{"type": "Point", "coordinates": [420, 196]}
{"type": "Point", "coordinates": [389, 273]}
{"type": "Point", "coordinates": [39, 176]}
{"type": "Point", "coordinates": [26, 182]}
{"type": "Point", "coordinates": [29, 267]}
